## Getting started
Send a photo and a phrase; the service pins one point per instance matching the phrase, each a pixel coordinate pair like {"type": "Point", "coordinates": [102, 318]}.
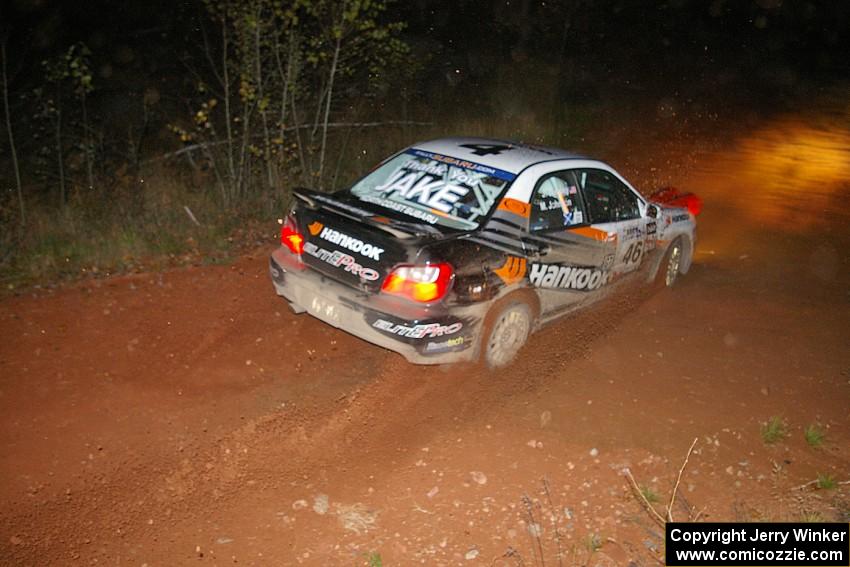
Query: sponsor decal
{"type": "Point", "coordinates": [339, 204]}
{"type": "Point", "coordinates": [401, 208]}
{"type": "Point", "coordinates": [448, 344]}
{"type": "Point", "coordinates": [632, 232]}
{"type": "Point", "coordinates": [349, 242]}
{"type": "Point", "coordinates": [341, 260]}
{"type": "Point", "coordinates": [557, 276]}
{"type": "Point", "coordinates": [417, 331]}
{"type": "Point", "coordinates": [433, 187]}
{"type": "Point", "coordinates": [512, 271]}
{"type": "Point", "coordinates": [424, 189]}
{"type": "Point", "coordinates": [681, 218]}
{"type": "Point", "coordinates": [434, 184]}
{"type": "Point", "coordinates": [651, 231]}
{"type": "Point", "coordinates": [315, 227]}
{"type": "Point", "coordinates": [491, 171]}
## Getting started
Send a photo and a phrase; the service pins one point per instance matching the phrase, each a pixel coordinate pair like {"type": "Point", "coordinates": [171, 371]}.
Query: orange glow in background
{"type": "Point", "coordinates": [791, 173]}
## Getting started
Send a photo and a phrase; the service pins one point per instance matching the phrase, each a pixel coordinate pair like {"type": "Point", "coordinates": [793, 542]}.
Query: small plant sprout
{"type": "Point", "coordinates": [593, 543]}
{"type": "Point", "coordinates": [774, 430]}
{"type": "Point", "coordinates": [814, 435]}
{"type": "Point", "coordinates": [826, 482]}
{"type": "Point", "coordinates": [649, 495]}
{"type": "Point", "coordinates": [811, 517]}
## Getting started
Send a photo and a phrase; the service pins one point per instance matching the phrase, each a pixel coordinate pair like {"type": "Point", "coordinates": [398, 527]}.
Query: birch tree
{"type": "Point", "coordinates": [354, 45]}
{"type": "Point", "coordinates": [270, 64]}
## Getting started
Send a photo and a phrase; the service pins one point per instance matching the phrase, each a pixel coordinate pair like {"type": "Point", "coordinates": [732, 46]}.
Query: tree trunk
{"type": "Point", "coordinates": [267, 154]}
{"type": "Point", "coordinates": [88, 143]}
{"type": "Point", "coordinates": [341, 157]}
{"type": "Point", "coordinates": [227, 116]}
{"type": "Point", "coordinates": [328, 109]}
{"type": "Point", "coordinates": [60, 157]}
{"type": "Point", "coordinates": [286, 77]}
{"type": "Point", "coordinates": [299, 142]}
{"type": "Point", "coordinates": [12, 138]}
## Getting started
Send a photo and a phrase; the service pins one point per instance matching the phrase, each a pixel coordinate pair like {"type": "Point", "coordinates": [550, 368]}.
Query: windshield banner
{"type": "Point", "coordinates": [491, 171]}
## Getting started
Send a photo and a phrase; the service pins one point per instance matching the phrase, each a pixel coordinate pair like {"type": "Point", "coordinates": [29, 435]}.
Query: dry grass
{"type": "Point", "coordinates": [815, 435]}
{"type": "Point", "coordinates": [144, 226]}
{"type": "Point", "coordinates": [355, 517]}
{"type": "Point", "coordinates": [774, 430]}
{"type": "Point", "coordinates": [146, 231]}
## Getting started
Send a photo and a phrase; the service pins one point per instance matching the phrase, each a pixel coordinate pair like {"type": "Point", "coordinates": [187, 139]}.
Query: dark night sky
{"type": "Point", "coordinates": [760, 52]}
{"type": "Point", "coordinates": [809, 37]}
{"type": "Point", "coordinates": [748, 52]}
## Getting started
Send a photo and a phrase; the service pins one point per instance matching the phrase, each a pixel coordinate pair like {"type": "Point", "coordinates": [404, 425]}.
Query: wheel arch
{"type": "Point", "coordinates": [687, 256]}
{"type": "Point", "coordinates": [524, 295]}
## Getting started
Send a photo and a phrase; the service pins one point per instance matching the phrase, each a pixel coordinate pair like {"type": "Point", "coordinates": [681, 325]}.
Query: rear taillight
{"type": "Point", "coordinates": [290, 237]}
{"type": "Point", "coordinates": [425, 283]}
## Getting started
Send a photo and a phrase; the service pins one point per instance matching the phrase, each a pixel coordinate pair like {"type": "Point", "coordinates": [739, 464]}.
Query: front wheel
{"type": "Point", "coordinates": [506, 333]}
{"type": "Point", "coordinates": [668, 271]}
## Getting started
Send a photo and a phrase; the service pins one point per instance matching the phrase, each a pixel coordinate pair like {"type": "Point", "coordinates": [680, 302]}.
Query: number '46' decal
{"type": "Point", "coordinates": [633, 253]}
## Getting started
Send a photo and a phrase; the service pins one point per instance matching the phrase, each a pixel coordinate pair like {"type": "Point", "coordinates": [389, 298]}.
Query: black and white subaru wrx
{"type": "Point", "coordinates": [459, 248]}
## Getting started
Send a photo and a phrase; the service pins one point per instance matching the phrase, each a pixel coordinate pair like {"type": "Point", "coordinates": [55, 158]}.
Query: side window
{"type": "Point", "coordinates": [556, 202]}
{"type": "Point", "coordinates": [608, 198]}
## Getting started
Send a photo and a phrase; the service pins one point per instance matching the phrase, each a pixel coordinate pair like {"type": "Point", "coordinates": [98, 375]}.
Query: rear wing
{"type": "Point", "coordinates": [399, 229]}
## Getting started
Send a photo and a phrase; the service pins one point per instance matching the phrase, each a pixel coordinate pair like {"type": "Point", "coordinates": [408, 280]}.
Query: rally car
{"type": "Point", "coordinates": [459, 248]}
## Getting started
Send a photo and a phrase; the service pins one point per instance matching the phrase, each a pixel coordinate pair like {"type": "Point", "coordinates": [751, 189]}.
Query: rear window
{"type": "Point", "coordinates": [434, 188]}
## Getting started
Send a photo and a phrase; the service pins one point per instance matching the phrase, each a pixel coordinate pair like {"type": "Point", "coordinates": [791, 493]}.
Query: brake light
{"type": "Point", "coordinates": [291, 238]}
{"type": "Point", "coordinates": [424, 283]}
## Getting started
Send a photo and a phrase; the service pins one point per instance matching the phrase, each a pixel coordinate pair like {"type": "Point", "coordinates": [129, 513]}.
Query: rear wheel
{"type": "Point", "coordinates": [668, 271]}
{"type": "Point", "coordinates": [506, 333]}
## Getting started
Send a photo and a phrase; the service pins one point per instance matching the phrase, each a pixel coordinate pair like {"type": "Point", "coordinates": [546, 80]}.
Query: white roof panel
{"type": "Point", "coordinates": [506, 155]}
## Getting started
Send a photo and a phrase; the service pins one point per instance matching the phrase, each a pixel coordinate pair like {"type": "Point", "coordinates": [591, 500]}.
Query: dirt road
{"type": "Point", "coordinates": [189, 418]}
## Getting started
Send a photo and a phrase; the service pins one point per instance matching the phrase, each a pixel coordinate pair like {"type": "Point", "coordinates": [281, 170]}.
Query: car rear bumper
{"type": "Point", "coordinates": [422, 334]}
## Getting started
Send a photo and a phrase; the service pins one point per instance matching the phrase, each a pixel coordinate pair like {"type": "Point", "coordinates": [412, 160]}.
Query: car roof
{"type": "Point", "coordinates": [507, 155]}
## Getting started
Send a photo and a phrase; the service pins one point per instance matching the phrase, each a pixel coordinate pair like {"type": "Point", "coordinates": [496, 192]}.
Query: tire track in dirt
{"type": "Point", "coordinates": [396, 409]}
{"type": "Point", "coordinates": [178, 428]}
{"type": "Point", "coordinates": [228, 406]}
{"type": "Point", "coordinates": [382, 411]}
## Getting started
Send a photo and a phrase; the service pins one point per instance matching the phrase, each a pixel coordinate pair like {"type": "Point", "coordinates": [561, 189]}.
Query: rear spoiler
{"type": "Point", "coordinates": [302, 195]}
{"type": "Point", "coordinates": [675, 198]}
{"type": "Point", "coordinates": [399, 229]}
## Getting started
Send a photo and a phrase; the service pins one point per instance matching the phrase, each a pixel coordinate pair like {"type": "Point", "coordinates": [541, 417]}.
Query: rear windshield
{"type": "Point", "coordinates": [434, 189]}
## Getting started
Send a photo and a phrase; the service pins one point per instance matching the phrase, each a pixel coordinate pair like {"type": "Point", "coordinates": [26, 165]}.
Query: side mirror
{"type": "Point", "coordinates": [652, 211]}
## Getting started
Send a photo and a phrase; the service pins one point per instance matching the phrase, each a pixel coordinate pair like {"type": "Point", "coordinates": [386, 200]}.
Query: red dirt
{"type": "Point", "coordinates": [189, 417]}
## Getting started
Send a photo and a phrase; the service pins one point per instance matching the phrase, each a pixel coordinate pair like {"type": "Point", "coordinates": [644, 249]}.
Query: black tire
{"type": "Point", "coordinates": [671, 265]}
{"type": "Point", "coordinates": [506, 331]}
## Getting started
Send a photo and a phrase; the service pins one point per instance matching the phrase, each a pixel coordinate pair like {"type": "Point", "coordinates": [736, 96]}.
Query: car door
{"type": "Point", "coordinates": [569, 259]}
{"type": "Point", "coordinates": [615, 209]}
